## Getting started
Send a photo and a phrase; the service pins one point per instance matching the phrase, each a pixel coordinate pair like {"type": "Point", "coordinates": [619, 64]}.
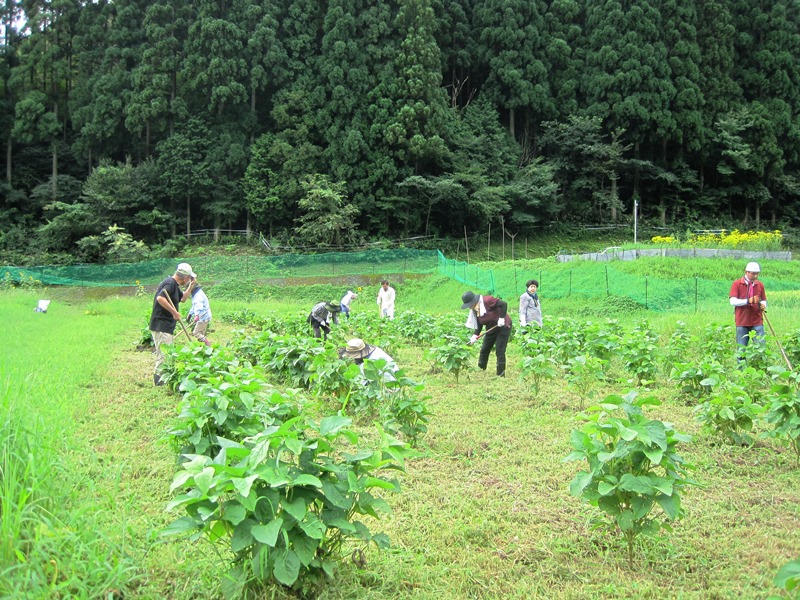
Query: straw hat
{"type": "Point", "coordinates": [356, 348]}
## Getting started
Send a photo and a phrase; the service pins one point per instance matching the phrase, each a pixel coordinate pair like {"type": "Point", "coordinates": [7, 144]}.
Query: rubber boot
{"type": "Point", "coordinates": [157, 379]}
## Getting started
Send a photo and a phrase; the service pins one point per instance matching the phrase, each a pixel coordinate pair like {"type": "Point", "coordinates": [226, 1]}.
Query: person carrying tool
{"type": "Point", "coordinates": [489, 312]}
{"type": "Point", "coordinates": [749, 299]}
{"type": "Point", "coordinates": [200, 313]}
{"type": "Point", "coordinates": [165, 315]}
{"type": "Point", "coordinates": [357, 350]}
{"type": "Point", "coordinates": [385, 300]}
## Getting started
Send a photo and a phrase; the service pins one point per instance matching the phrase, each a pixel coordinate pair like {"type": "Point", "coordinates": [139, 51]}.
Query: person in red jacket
{"type": "Point", "coordinates": [489, 312]}
{"type": "Point", "coordinates": [749, 298]}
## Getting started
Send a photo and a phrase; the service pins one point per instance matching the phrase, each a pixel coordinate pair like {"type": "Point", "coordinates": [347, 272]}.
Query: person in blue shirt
{"type": "Point", "coordinates": [200, 313]}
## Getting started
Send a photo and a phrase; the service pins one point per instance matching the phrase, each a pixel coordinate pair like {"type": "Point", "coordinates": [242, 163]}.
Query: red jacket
{"type": "Point", "coordinates": [748, 315]}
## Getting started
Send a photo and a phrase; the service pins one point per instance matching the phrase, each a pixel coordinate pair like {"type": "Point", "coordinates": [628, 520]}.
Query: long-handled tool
{"type": "Point", "coordinates": [186, 331]}
{"type": "Point", "coordinates": [786, 358]}
{"type": "Point", "coordinates": [484, 333]}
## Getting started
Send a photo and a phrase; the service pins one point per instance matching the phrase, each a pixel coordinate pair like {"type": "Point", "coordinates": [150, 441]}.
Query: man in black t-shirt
{"type": "Point", "coordinates": [165, 315]}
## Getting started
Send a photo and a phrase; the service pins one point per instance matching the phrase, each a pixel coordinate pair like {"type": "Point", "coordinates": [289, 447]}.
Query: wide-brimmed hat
{"type": "Point", "coordinates": [333, 306]}
{"type": "Point", "coordinates": [356, 348]}
{"type": "Point", "coordinates": [469, 299]}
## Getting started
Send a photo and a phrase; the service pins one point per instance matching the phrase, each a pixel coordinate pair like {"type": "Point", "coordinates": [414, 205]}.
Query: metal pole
{"type": "Point", "coordinates": [635, 220]}
{"type": "Point", "coordinates": [786, 358]}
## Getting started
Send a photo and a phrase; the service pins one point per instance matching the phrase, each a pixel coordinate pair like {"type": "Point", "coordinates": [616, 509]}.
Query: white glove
{"type": "Point", "coordinates": [501, 322]}
{"type": "Point", "coordinates": [473, 338]}
{"type": "Point", "coordinates": [323, 323]}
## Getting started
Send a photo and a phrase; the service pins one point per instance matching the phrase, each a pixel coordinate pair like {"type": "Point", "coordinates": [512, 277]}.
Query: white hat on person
{"type": "Point", "coordinates": [753, 267]}
{"type": "Point", "coordinates": [185, 269]}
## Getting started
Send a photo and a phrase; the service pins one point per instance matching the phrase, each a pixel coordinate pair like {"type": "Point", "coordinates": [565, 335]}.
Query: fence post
{"type": "Point", "coordinates": [608, 293]}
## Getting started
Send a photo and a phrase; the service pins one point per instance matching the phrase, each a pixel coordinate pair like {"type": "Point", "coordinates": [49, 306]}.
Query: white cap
{"type": "Point", "coordinates": [753, 267]}
{"type": "Point", "coordinates": [185, 269]}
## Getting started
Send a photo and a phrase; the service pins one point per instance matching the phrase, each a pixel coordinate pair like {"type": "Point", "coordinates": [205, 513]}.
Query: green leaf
{"type": "Point", "coordinates": [671, 505]}
{"type": "Point", "coordinates": [242, 537]}
{"type": "Point", "coordinates": [334, 496]}
{"type": "Point", "coordinates": [182, 525]}
{"type": "Point", "coordinates": [605, 488]}
{"type": "Point", "coordinates": [632, 483]}
{"type": "Point", "coordinates": [296, 508]}
{"type": "Point", "coordinates": [313, 527]}
{"type": "Point", "coordinates": [287, 567]}
{"type": "Point", "coordinates": [203, 479]}
{"type": "Point", "coordinates": [268, 534]}
{"type": "Point", "coordinates": [331, 425]}
{"type": "Point", "coordinates": [788, 576]}
{"type": "Point", "coordinates": [579, 483]}
{"type": "Point", "coordinates": [305, 547]}
{"type": "Point", "coordinates": [306, 479]}
{"type": "Point", "coordinates": [234, 513]}
{"type": "Point", "coordinates": [654, 456]}
{"type": "Point", "coordinates": [243, 485]}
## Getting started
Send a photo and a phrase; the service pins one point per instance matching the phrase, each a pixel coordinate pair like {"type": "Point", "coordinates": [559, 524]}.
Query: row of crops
{"type": "Point", "coordinates": [281, 466]}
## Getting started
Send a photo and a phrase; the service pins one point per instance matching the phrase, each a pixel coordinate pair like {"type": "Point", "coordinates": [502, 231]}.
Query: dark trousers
{"type": "Point", "coordinates": [320, 327]}
{"type": "Point", "coordinates": [497, 339]}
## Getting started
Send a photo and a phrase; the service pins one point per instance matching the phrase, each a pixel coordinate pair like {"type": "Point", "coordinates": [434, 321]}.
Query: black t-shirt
{"type": "Point", "coordinates": [161, 319]}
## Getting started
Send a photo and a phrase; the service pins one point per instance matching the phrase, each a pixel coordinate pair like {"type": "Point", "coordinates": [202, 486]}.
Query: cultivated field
{"type": "Point", "coordinates": [485, 509]}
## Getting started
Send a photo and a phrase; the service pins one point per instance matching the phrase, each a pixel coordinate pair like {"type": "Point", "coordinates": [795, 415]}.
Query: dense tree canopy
{"type": "Point", "coordinates": [415, 116]}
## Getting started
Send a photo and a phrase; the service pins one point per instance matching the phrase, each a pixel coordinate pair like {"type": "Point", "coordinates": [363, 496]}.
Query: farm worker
{"type": "Point", "coordinates": [322, 315]}
{"type": "Point", "coordinates": [386, 300]}
{"type": "Point", "coordinates": [346, 300]}
{"type": "Point", "coordinates": [165, 314]}
{"type": "Point", "coordinates": [358, 351]}
{"type": "Point", "coordinates": [200, 313]}
{"type": "Point", "coordinates": [749, 298]}
{"type": "Point", "coordinates": [489, 312]}
{"type": "Point", "coordinates": [529, 309]}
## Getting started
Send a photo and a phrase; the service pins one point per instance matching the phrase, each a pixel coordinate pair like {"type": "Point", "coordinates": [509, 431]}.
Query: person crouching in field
{"type": "Point", "coordinates": [165, 315]}
{"type": "Point", "coordinates": [357, 351]}
{"type": "Point", "coordinates": [321, 317]}
{"type": "Point", "coordinates": [489, 312]}
{"type": "Point", "coordinates": [749, 299]}
{"type": "Point", "coordinates": [200, 313]}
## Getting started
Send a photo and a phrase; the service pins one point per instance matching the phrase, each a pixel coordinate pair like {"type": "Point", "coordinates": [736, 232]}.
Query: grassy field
{"type": "Point", "coordinates": [485, 511]}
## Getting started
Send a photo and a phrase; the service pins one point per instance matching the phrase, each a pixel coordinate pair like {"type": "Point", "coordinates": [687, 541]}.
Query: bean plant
{"type": "Point", "coordinates": [784, 414]}
{"type": "Point", "coordinates": [536, 369]}
{"type": "Point", "coordinates": [634, 467]}
{"type": "Point", "coordinates": [453, 356]}
{"type": "Point", "coordinates": [730, 412]}
{"type": "Point", "coordinates": [285, 500]}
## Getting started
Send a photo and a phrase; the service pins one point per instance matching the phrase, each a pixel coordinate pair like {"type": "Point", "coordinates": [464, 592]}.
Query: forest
{"type": "Point", "coordinates": [331, 123]}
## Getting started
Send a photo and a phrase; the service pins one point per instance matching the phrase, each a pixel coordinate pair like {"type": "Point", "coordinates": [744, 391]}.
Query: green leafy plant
{"type": "Point", "coordinates": [784, 415]}
{"type": "Point", "coordinates": [634, 467]}
{"type": "Point", "coordinates": [730, 412]}
{"type": "Point", "coordinates": [583, 372]}
{"type": "Point", "coordinates": [452, 356]}
{"type": "Point", "coordinates": [286, 499]}
{"type": "Point", "coordinates": [536, 369]}
{"type": "Point", "coordinates": [640, 352]}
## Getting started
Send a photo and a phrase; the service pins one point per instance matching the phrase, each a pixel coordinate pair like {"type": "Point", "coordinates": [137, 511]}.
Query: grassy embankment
{"type": "Point", "coordinates": [485, 512]}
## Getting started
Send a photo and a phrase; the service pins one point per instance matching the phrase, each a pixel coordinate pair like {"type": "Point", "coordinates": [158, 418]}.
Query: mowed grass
{"type": "Point", "coordinates": [485, 510]}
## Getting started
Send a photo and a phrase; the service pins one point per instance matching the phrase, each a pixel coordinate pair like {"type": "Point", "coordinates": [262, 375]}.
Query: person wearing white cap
{"type": "Point", "coordinates": [749, 299]}
{"type": "Point", "coordinates": [165, 316]}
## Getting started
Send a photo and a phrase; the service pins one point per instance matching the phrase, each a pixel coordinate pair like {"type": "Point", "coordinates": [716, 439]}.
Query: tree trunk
{"type": "Point", "coordinates": [8, 158]}
{"type": "Point", "coordinates": [55, 170]}
{"type": "Point", "coordinates": [188, 217]}
{"type": "Point", "coordinates": [613, 195]}
{"type": "Point", "coordinates": [217, 221]}
{"type": "Point", "coordinates": [758, 214]}
{"type": "Point", "coordinates": [511, 127]}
